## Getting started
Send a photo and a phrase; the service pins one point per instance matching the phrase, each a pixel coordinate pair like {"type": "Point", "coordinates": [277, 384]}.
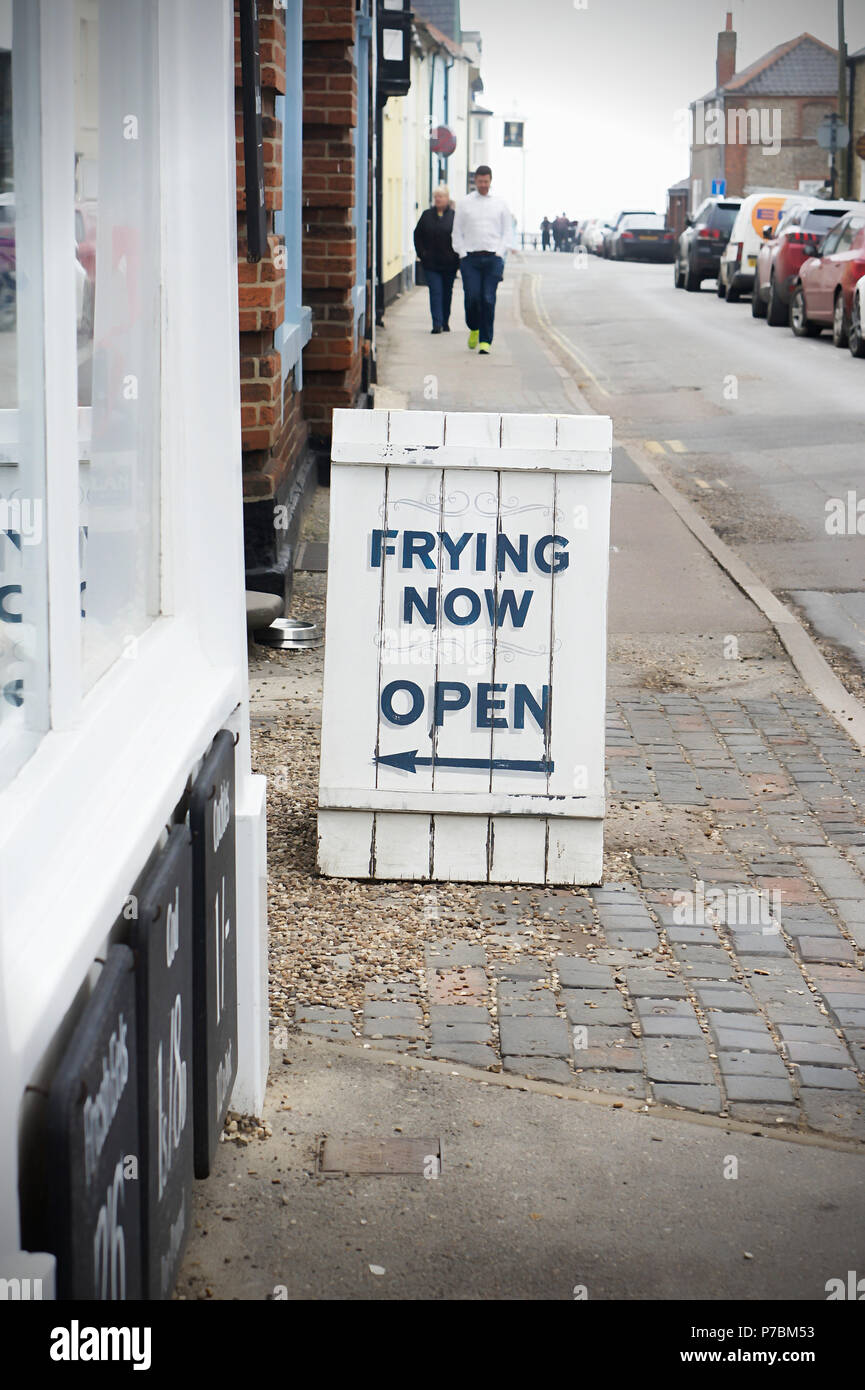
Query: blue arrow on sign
{"type": "Point", "coordinates": [410, 762]}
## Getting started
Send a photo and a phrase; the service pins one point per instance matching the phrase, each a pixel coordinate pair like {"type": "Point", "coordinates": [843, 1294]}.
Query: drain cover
{"type": "Point", "coordinates": [291, 633]}
{"type": "Point", "coordinates": [418, 1157]}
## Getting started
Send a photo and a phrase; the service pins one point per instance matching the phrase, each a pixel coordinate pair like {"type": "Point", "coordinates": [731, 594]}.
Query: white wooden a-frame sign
{"type": "Point", "coordinates": [464, 687]}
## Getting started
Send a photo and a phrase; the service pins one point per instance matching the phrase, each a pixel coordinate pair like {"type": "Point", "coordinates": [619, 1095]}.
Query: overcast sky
{"type": "Point", "coordinates": [599, 84]}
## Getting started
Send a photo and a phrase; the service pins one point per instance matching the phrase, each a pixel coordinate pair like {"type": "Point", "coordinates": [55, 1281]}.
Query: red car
{"type": "Point", "coordinates": [779, 259]}
{"type": "Point", "coordinates": [823, 294]}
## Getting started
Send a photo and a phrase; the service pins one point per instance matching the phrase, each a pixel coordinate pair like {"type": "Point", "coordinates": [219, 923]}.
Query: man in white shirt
{"type": "Point", "coordinates": [481, 235]}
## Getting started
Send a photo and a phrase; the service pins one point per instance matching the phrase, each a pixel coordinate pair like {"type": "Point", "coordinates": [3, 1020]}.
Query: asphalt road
{"type": "Point", "coordinates": [765, 432]}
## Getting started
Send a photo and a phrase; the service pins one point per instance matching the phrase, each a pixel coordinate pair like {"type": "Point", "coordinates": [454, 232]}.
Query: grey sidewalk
{"type": "Point", "coordinates": [719, 968]}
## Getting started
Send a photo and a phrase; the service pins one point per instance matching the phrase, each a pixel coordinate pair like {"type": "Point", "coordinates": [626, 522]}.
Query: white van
{"type": "Point", "coordinates": [739, 261]}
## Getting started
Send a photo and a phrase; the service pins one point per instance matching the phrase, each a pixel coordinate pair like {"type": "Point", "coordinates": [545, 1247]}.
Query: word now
{"type": "Point", "coordinates": [500, 607]}
{"type": "Point", "coordinates": [450, 696]}
{"type": "Point", "coordinates": [419, 545]}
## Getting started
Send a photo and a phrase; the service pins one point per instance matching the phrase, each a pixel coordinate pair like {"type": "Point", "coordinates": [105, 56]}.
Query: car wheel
{"type": "Point", "coordinates": [692, 279]}
{"type": "Point", "coordinates": [840, 329]}
{"type": "Point", "coordinates": [731, 294]}
{"type": "Point", "coordinates": [720, 288]}
{"type": "Point", "coordinates": [800, 323]}
{"type": "Point", "coordinates": [758, 303]}
{"type": "Point", "coordinates": [855, 340]}
{"type": "Point", "coordinates": [678, 275]}
{"type": "Point", "coordinates": [777, 314]}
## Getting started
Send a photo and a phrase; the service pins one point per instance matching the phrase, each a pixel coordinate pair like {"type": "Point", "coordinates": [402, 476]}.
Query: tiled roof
{"type": "Point", "coordinates": [801, 67]}
{"type": "Point", "coordinates": [804, 67]}
{"type": "Point", "coordinates": [683, 186]}
{"type": "Point", "coordinates": [442, 39]}
{"type": "Point", "coordinates": [444, 14]}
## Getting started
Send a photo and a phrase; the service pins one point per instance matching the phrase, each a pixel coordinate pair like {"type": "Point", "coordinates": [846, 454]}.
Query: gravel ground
{"type": "Point", "coordinates": [333, 939]}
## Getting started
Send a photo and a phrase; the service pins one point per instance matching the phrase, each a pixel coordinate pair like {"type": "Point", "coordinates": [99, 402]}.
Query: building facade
{"type": "Point", "coordinates": [124, 723]}
{"type": "Point", "coordinates": [757, 128]}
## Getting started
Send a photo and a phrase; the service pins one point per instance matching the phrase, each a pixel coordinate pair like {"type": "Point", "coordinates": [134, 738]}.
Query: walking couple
{"type": "Point", "coordinates": [474, 238]}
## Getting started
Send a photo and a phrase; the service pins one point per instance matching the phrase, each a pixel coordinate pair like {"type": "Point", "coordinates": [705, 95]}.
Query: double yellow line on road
{"type": "Point", "coordinates": [564, 343]}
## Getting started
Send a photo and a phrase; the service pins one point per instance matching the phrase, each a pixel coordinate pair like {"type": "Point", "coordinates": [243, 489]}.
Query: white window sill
{"type": "Point", "coordinates": [292, 338]}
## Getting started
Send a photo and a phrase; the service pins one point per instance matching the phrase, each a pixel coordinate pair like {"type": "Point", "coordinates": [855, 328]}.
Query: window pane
{"type": "Point", "coordinates": [23, 599]}
{"type": "Point", "coordinates": [117, 288]}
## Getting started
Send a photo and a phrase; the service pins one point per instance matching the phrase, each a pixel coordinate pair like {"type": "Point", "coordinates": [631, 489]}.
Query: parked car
{"type": "Point", "coordinates": [594, 237]}
{"type": "Point", "coordinates": [614, 226]}
{"type": "Point", "coordinates": [803, 225]}
{"type": "Point", "coordinates": [701, 245]}
{"type": "Point", "coordinates": [643, 236]}
{"type": "Point", "coordinates": [823, 295]}
{"type": "Point", "coordinates": [739, 261]}
{"type": "Point", "coordinates": [856, 336]}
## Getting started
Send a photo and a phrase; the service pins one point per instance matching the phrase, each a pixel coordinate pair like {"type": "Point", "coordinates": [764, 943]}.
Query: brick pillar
{"type": "Point", "coordinates": [274, 431]}
{"type": "Point", "coordinates": [333, 359]}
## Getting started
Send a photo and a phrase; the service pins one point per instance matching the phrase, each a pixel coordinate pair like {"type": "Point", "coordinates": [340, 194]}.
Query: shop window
{"type": "Point", "coordinates": [23, 513]}
{"type": "Point", "coordinates": [117, 307]}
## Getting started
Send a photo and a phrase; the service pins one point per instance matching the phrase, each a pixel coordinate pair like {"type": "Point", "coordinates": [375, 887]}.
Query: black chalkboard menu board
{"type": "Point", "coordinates": [92, 1145]}
{"type": "Point", "coordinates": [212, 819]}
{"type": "Point", "coordinates": [162, 938]}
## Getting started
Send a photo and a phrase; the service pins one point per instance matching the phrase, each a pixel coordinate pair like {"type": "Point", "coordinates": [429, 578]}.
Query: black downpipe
{"type": "Point", "coordinates": [253, 153]}
{"type": "Point", "coordinates": [379, 205]}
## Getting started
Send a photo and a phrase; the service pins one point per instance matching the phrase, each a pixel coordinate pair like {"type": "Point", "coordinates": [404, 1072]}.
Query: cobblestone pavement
{"type": "Point", "coordinates": [726, 977]}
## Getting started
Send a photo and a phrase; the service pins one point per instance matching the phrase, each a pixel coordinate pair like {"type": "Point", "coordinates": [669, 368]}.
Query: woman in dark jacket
{"type": "Point", "coordinates": [432, 240]}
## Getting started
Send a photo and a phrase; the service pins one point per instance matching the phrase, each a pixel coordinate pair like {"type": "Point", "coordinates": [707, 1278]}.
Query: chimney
{"type": "Point", "coordinates": [726, 64]}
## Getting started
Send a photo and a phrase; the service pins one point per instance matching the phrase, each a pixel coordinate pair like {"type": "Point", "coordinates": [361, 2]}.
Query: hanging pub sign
{"type": "Point", "coordinates": [514, 134]}
{"type": "Point", "coordinates": [92, 1146]}
{"type": "Point", "coordinates": [463, 715]}
{"type": "Point", "coordinates": [212, 819]}
{"type": "Point", "coordinates": [162, 938]}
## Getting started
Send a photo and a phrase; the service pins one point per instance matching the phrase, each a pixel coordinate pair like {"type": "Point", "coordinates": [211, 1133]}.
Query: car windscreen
{"type": "Point", "coordinates": [643, 219]}
{"type": "Point", "coordinates": [821, 219]}
{"type": "Point", "coordinates": [722, 216]}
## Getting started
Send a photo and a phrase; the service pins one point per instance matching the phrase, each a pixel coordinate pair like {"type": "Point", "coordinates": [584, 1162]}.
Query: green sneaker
{"type": "Point", "coordinates": [474, 335]}
{"type": "Point", "coordinates": [483, 347]}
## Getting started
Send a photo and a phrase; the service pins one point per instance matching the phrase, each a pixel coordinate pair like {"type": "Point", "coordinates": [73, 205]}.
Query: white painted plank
{"type": "Point", "coordinates": [575, 851]}
{"type": "Point", "coordinates": [459, 456]}
{"type": "Point", "coordinates": [454, 803]}
{"type": "Point", "coordinates": [460, 848]}
{"type": "Point", "coordinates": [466, 651]}
{"type": "Point", "coordinates": [345, 843]}
{"type": "Point", "coordinates": [351, 662]}
{"type": "Point", "coordinates": [579, 619]}
{"type": "Point", "coordinates": [354, 427]}
{"type": "Point", "coordinates": [518, 850]}
{"type": "Point", "coordinates": [522, 653]}
{"type": "Point", "coordinates": [402, 845]}
{"type": "Point", "coordinates": [409, 649]}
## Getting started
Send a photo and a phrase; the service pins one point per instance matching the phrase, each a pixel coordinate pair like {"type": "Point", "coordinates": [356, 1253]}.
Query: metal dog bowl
{"type": "Point", "coordinates": [290, 634]}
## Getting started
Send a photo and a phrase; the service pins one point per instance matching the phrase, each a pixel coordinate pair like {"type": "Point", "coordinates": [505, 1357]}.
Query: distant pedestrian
{"type": "Point", "coordinates": [560, 228]}
{"type": "Point", "coordinates": [482, 234]}
{"type": "Point", "coordinates": [546, 229]}
{"type": "Point", "coordinates": [432, 240]}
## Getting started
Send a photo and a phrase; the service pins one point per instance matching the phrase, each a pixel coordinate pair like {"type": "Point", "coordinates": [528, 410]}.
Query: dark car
{"type": "Point", "coordinates": [823, 296]}
{"type": "Point", "coordinates": [702, 243]}
{"type": "Point", "coordinates": [613, 227]}
{"type": "Point", "coordinates": [800, 232]}
{"type": "Point", "coordinates": [643, 236]}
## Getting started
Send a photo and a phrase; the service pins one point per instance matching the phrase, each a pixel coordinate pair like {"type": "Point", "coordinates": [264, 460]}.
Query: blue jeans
{"type": "Point", "coordinates": [441, 288]}
{"type": "Point", "coordinates": [481, 272]}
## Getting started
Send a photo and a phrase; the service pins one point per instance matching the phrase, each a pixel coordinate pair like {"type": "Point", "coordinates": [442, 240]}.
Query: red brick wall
{"type": "Point", "coordinates": [274, 431]}
{"type": "Point", "coordinates": [332, 360]}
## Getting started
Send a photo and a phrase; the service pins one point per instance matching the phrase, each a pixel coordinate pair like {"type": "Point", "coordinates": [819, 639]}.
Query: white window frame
{"type": "Point", "coordinates": [80, 819]}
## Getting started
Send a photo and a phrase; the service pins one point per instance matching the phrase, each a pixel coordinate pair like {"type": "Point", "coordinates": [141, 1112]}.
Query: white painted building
{"type": "Point", "coordinates": [122, 645]}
